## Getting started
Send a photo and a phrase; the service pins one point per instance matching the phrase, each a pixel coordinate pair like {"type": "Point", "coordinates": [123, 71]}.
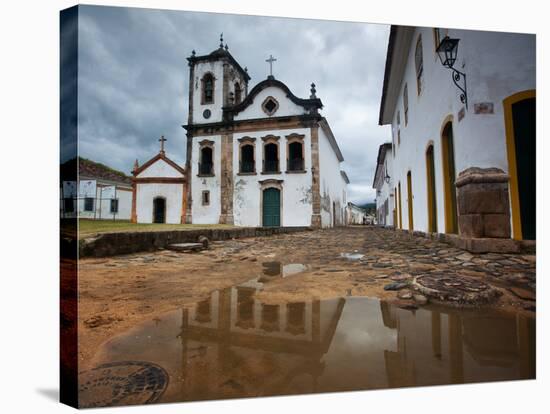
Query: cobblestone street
{"type": "Point", "coordinates": [118, 292]}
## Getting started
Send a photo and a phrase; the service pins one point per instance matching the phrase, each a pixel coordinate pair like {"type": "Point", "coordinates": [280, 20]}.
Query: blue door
{"type": "Point", "coordinates": [271, 207]}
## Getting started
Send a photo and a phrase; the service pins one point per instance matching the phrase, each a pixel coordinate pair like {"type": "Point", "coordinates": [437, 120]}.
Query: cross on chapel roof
{"type": "Point", "coordinates": [162, 140]}
{"type": "Point", "coordinates": [270, 61]}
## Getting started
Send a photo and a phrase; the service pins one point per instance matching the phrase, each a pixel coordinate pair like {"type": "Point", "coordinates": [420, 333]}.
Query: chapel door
{"type": "Point", "coordinates": [159, 210]}
{"type": "Point", "coordinates": [524, 121]}
{"type": "Point", "coordinates": [271, 207]}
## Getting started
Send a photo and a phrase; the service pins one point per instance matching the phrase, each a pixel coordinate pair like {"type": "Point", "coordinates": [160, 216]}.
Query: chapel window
{"type": "Point", "coordinates": [406, 104]}
{"type": "Point", "coordinates": [206, 198]}
{"type": "Point", "coordinates": [247, 159]}
{"type": "Point", "coordinates": [205, 164]}
{"type": "Point", "coordinates": [295, 156]}
{"type": "Point", "coordinates": [419, 65]}
{"type": "Point", "coordinates": [271, 158]}
{"type": "Point", "coordinates": [208, 89]}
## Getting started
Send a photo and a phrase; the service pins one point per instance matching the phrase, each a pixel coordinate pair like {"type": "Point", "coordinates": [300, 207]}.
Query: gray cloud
{"type": "Point", "coordinates": [133, 78]}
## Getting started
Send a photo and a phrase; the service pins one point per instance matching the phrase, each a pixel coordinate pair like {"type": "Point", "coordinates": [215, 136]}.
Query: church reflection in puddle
{"type": "Point", "coordinates": [233, 345]}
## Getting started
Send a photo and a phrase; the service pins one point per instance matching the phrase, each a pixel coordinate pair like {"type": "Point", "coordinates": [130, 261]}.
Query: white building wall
{"type": "Point", "coordinates": [332, 186]}
{"type": "Point", "coordinates": [209, 214]}
{"type": "Point", "coordinates": [102, 208]}
{"type": "Point", "coordinates": [286, 106]}
{"type": "Point", "coordinates": [497, 65]}
{"type": "Point", "coordinates": [146, 193]}
{"type": "Point", "coordinates": [160, 168]}
{"type": "Point", "coordinates": [296, 196]}
{"type": "Point", "coordinates": [386, 191]}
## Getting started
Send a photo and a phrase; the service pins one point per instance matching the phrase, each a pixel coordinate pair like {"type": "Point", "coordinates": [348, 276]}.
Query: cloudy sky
{"type": "Point", "coordinates": [133, 79]}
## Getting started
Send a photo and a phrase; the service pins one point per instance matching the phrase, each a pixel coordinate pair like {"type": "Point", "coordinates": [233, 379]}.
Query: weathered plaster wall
{"type": "Point", "coordinates": [332, 185]}
{"type": "Point", "coordinates": [286, 106]}
{"type": "Point", "coordinates": [173, 194]}
{"type": "Point", "coordinates": [296, 193]}
{"type": "Point", "coordinates": [497, 65]}
{"type": "Point", "coordinates": [209, 214]}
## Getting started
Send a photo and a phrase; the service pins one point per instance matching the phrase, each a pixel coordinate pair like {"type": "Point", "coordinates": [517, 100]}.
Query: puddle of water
{"type": "Point", "coordinates": [352, 256]}
{"type": "Point", "coordinates": [233, 345]}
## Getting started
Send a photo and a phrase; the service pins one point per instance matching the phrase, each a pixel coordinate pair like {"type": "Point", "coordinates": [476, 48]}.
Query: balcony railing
{"type": "Point", "coordinates": [296, 164]}
{"type": "Point", "coordinates": [271, 166]}
{"type": "Point", "coordinates": [205, 168]}
{"type": "Point", "coordinates": [247, 167]}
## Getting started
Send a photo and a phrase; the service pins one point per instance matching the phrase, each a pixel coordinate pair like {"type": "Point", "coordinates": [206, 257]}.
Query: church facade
{"type": "Point", "coordinates": [258, 157]}
{"type": "Point", "coordinates": [463, 133]}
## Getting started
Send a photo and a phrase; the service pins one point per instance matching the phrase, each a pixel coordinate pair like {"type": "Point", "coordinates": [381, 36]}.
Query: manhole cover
{"type": "Point", "coordinates": [457, 290]}
{"type": "Point", "coordinates": [121, 383]}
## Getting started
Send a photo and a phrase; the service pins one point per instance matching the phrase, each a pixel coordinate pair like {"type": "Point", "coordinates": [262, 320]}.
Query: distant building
{"type": "Point", "coordinates": [99, 192]}
{"type": "Point", "coordinates": [159, 194]}
{"type": "Point", "coordinates": [385, 198]}
{"type": "Point", "coordinates": [463, 158]}
{"type": "Point", "coordinates": [356, 214]}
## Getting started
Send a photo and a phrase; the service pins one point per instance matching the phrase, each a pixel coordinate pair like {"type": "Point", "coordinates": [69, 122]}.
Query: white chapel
{"type": "Point", "coordinates": [260, 156]}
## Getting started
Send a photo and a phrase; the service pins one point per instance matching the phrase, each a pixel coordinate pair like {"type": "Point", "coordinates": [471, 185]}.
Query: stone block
{"type": "Point", "coordinates": [471, 225]}
{"type": "Point", "coordinates": [489, 245]}
{"type": "Point", "coordinates": [483, 199]}
{"type": "Point", "coordinates": [496, 225]}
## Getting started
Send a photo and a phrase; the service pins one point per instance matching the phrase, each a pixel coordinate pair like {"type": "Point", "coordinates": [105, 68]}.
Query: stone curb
{"type": "Point", "coordinates": [114, 244]}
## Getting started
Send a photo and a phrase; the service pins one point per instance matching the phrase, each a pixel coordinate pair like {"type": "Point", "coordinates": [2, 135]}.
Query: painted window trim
{"type": "Point", "coordinates": [244, 141]}
{"type": "Point", "coordinates": [300, 139]}
{"type": "Point", "coordinates": [205, 143]}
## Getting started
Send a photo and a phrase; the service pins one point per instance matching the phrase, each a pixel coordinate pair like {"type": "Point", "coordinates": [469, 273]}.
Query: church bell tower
{"type": "Point", "coordinates": [216, 81]}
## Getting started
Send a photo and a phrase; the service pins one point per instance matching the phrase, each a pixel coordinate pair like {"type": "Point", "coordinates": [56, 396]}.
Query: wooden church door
{"type": "Point", "coordinates": [271, 207]}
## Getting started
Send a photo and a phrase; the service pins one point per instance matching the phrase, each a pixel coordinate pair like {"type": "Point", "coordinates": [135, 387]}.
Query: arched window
{"type": "Point", "coordinates": [208, 89]}
{"type": "Point", "coordinates": [295, 156]}
{"type": "Point", "coordinates": [418, 63]}
{"type": "Point", "coordinates": [247, 159]}
{"type": "Point", "coordinates": [206, 165]}
{"type": "Point", "coordinates": [238, 93]}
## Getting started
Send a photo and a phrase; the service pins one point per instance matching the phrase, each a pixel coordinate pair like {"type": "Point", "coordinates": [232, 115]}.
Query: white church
{"type": "Point", "coordinates": [259, 158]}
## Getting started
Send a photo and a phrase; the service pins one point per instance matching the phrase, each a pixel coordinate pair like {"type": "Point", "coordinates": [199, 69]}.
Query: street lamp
{"type": "Point", "coordinates": [387, 178]}
{"type": "Point", "coordinates": [447, 51]}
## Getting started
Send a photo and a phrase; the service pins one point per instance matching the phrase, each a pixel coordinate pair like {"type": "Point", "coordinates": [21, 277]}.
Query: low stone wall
{"type": "Point", "coordinates": [113, 244]}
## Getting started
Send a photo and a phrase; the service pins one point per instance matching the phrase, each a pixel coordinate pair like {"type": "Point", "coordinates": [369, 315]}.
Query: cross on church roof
{"type": "Point", "coordinates": [162, 140]}
{"type": "Point", "coordinates": [270, 61]}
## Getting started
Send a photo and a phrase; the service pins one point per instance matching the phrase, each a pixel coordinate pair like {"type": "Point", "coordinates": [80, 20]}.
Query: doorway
{"type": "Point", "coordinates": [520, 119]}
{"type": "Point", "coordinates": [410, 201]}
{"type": "Point", "coordinates": [271, 207]}
{"type": "Point", "coordinates": [159, 210]}
{"type": "Point", "coordinates": [449, 176]}
{"type": "Point", "coordinates": [430, 180]}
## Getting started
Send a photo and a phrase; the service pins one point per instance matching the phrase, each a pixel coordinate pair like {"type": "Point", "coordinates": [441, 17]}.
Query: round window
{"type": "Point", "coordinates": [207, 113]}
